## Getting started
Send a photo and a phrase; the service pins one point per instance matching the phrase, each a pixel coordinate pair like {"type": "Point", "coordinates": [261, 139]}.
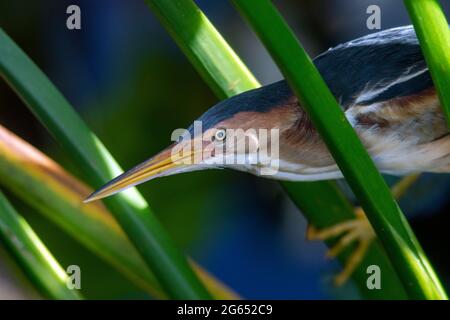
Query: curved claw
{"type": "Point", "coordinates": [358, 229]}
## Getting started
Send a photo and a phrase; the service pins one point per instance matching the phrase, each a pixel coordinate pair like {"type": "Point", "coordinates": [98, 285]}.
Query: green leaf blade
{"type": "Point", "coordinates": [57, 195]}
{"type": "Point", "coordinates": [383, 212]}
{"type": "Point", "coordinates": [204, 46]}
{"type": "Point", "coordinates": [98, 166]}
{"type": "Point", "coordinates": [321, 214]}
{"type": "Point", "coordinates": [433, 32]}
{"type": "Point", "coordinates": [33, 257]}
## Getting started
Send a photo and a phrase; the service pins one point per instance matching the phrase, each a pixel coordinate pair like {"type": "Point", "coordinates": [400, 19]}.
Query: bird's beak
{"type": "Point", "coordinates": [163, 164]}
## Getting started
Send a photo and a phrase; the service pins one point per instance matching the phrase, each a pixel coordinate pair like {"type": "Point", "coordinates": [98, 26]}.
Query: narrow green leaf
{"type": "Point", "coordinates": [201, 42]}
{"type": "Point", "coordinates": [45, 186]}
{"type": "Point", "coordinates": [434, 35]}
{"type": "Point", "coordinates": [129, 208]}
{"type": "Point", "coordinates": [204, 46]}
{"type": "Point", "coordinates": [31, 254]}
{"type": "Point", "coordinates": [383, 212]}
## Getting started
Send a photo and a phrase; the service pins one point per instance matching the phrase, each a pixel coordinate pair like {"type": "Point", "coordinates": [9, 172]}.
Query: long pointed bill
{"type": "Point", "coordinates": [160, 165]}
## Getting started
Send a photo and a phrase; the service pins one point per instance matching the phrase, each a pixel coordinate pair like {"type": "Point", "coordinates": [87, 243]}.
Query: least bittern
{"type": "Point", "coordinates": [382, 83]}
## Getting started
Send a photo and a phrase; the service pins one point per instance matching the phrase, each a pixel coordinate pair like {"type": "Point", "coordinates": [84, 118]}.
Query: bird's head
{"type": "Point", "coordinates": [242, 133]}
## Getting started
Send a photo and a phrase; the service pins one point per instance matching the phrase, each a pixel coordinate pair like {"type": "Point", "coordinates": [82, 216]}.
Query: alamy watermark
{"type": "Point", "coordinates": [73, 21]}
{"type": "Point", "coordinates": [257, 149]}
{"type": "Point", "coordinates": [373, 22]}
{"type": "Point", "coordinates": [374, 279]}
{"type": "Point", "coordinates": [73, 281]}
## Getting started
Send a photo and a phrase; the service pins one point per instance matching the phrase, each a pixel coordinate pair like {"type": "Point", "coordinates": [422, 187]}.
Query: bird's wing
{"type": "Point", "coordinates": [375, 68]}
{"type": "Point", "coordinates": [418, 115]}
{"type": "Point", "coordinates": [382, 81]}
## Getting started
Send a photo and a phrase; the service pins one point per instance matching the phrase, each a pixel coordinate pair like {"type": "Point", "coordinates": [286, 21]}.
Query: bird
{"type": "Point", "coordinates": [382, 83]}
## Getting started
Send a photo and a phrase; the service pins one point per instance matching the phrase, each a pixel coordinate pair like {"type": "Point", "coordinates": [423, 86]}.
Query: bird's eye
{"type": "Point", "coordinates": [220, 135]}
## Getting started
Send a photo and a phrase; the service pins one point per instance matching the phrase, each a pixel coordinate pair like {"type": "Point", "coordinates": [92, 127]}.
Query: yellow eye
{"type": "Point", "coordinates": [220, 135]}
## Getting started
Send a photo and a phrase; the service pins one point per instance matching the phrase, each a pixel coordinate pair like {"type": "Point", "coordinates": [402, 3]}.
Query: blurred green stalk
{"type": "Point", "coordinates": [434, 35]}
{"type": "Point", "coordinates": [321, 202]}
{"type": "Point", "coordinates": [404, 251]}
{"type": "Point", "coordinates": [204, 47]}
{"type": "Point", "coordinates": [32, 256]}
{"type": "Point", "coordinates": [45, 186]}
{"type": "Point", "coordinates": [129, 208]}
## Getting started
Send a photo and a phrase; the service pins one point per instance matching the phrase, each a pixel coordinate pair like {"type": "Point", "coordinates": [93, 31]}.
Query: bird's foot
{"type": "Point", "coordinates": [358, 229]}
